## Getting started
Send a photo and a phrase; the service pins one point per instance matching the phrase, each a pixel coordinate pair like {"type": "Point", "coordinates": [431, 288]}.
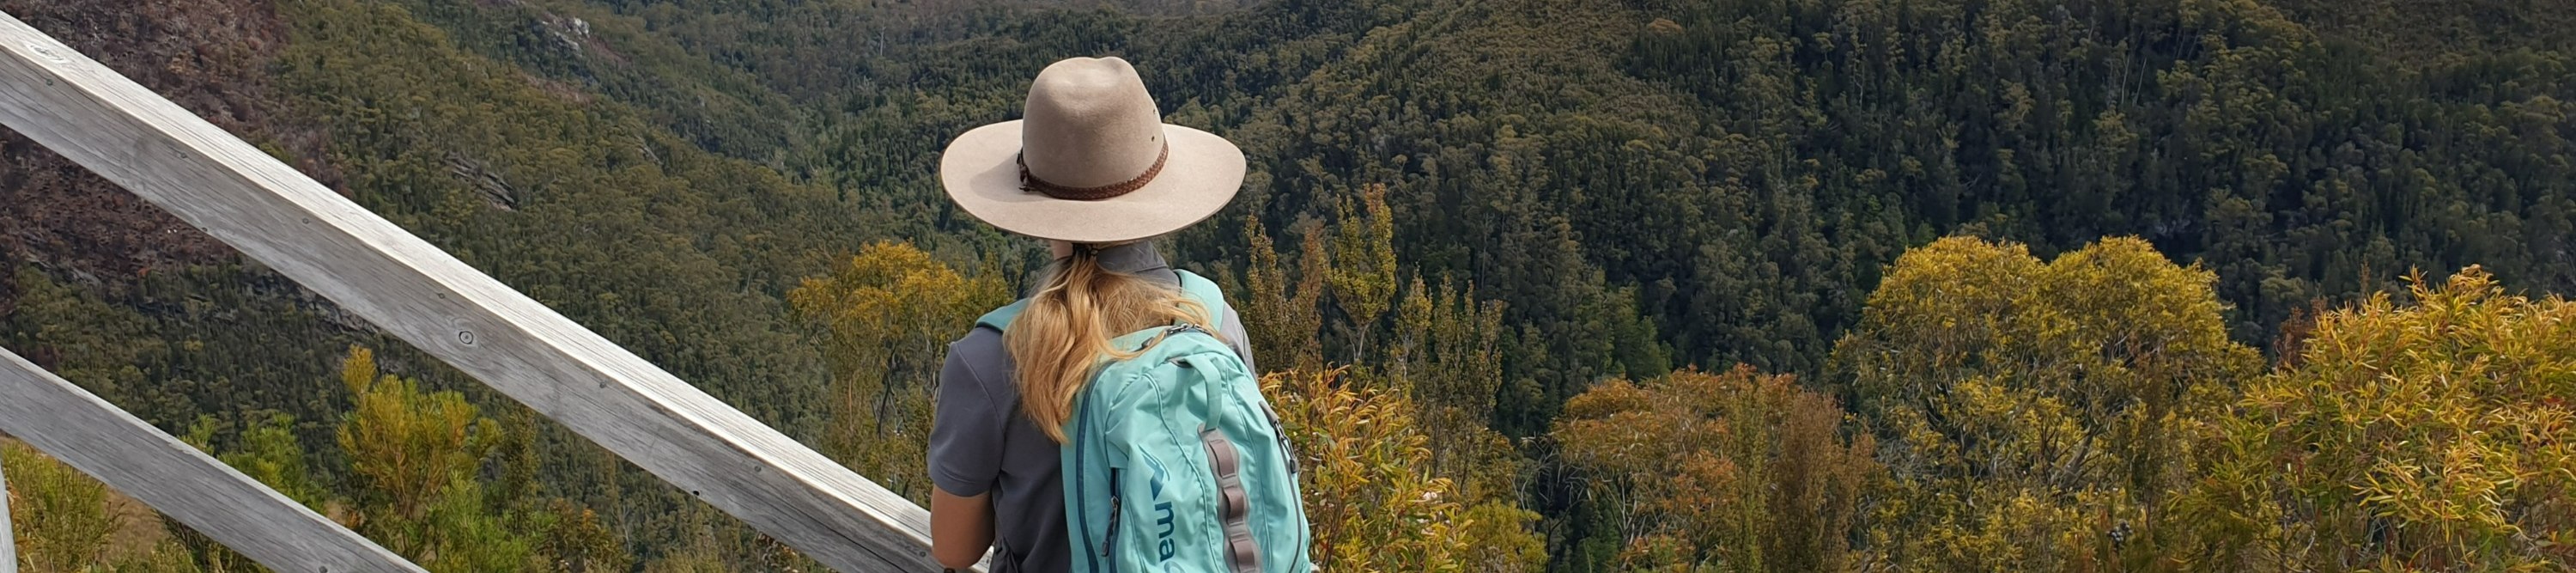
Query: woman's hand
{"type": "Point", "coordinates": [961, 527]}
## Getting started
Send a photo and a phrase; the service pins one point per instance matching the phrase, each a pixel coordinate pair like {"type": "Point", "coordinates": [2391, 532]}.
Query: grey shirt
{"type": "Point", "coordinates": [980, 442]}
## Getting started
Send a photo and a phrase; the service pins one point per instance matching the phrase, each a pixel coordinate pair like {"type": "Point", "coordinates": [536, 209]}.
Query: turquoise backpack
{"type": "Point", "coordinates": [1175, 462]}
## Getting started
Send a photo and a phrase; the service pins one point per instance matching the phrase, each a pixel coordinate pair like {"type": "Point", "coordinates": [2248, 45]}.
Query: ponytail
{"type": "Point", "coordinates": [1064, 332]}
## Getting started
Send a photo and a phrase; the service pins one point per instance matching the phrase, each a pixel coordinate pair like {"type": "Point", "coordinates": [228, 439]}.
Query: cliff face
{"type": "Point", "coordinates": [209, 56]}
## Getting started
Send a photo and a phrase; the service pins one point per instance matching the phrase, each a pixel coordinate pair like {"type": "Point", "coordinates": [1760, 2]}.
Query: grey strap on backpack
{"type": "Point", "coordinates": [1241, 551]}
{"type": "Point", "coordinates": [1234, 509]}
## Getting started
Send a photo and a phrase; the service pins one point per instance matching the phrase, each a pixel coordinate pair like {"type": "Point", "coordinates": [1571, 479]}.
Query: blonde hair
{"type": "Point", "coordinates": [1064, 332]}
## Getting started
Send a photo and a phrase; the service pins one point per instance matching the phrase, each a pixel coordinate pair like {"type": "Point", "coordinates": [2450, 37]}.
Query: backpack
{"type": "Point", "coordinates": [1174, 462]}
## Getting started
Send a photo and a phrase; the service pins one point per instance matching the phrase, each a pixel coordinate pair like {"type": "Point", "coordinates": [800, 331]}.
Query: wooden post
{"type": "Point", "coordinates": [138, 460]}
{"type": "Point", "coordinates": [214, 181]}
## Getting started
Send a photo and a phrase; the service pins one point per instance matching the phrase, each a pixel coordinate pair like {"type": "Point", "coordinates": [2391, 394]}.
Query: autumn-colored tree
{"type": "Point", "coordinates": [1442, 361]}
{"type": "Point", "coordinates": [1501, 538]}
{"type": "Point", "coordinates": [890, 313]}
{"type": "Point", "coordinates": [1375, 502]}
{"type": "Point", "coordinates": [1737, 471]}
{"type": "Point", "coordinates": [417, 455]}
{"type": "Point", "coordinates": [2033, 412]}
{"type": "Point", "coordinates": [407, 446]}
{"type": "Point", "coordinates": [2435, 435]}
{"type": "Point", "coordinates": [1362, 263]}
{"type": "Point", "coordinates": [1284, 323]}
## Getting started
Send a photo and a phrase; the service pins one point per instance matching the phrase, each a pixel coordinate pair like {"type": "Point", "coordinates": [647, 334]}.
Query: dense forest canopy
{"type": "Point", "coordinates": [1919, 284]}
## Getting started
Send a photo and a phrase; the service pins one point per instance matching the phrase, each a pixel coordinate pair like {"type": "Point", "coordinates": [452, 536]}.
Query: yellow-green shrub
{"type": "Point", "coordinates": [1727, 472]}
{"type": "Point", "coordinates": [2436, 435]}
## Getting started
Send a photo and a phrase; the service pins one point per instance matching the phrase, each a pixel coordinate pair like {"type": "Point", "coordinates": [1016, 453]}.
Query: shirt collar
{"type": "Point", "coordinates": [1140, 259]}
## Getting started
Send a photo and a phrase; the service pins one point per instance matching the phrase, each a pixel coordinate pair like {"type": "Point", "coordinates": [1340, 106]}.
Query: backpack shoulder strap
{"type": "Point", "coordinates": [1000, 318]}
{"type": "Point", "coordinates": [1197, 287]}
{"type": "Point", "coordinates": [1205, 292]}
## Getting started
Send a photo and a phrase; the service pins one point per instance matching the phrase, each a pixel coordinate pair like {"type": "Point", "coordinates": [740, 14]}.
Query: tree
{"type": "Point", "coordinates": [1375, 503]}
{"type": "Point", "coordinates": [1284, 323]}
{"type": "Point", "coordinates": [2033, 414]}
{"type": "Point", "coordinates": [2433, 435]}
{"type": "Point", "coordinates": [1447, 353]}
{"type": "Point", "coordinates": [1501, 538]}
{"type": "Point", "coordinates": [65, 522]}
{"type": "Point", "coordinates": [417, 455]}
{"type": "Point", "coordinates": [61, 517]}
{"type": "Point", "coordinates": [576, 542]}
{"type": "Point", "coordinates": [1362, 263]}
{"type": "Point", "coordinates": [269, 453]}
{"type": "Point", "coordinates": [1737, 471]}
{"type": "Point", "coordinates": [890, 312]}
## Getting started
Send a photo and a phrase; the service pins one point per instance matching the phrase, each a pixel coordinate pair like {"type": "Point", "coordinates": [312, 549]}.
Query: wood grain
{"type": "Point", "coordinates": [138, 460]}
{"type": "Point", "coordinates": [376, 270]}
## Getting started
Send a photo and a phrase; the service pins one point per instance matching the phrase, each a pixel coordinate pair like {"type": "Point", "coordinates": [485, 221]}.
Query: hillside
{"type": "Point", "coordinates": [1575, 193]}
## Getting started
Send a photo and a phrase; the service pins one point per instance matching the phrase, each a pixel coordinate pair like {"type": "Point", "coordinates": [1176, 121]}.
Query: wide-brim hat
{"type": "Point", "coordinates": [1091, 161]}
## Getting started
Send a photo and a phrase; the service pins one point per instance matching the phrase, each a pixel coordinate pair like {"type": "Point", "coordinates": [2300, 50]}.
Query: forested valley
{"type": "Point", "coordinates": [1564, 286]}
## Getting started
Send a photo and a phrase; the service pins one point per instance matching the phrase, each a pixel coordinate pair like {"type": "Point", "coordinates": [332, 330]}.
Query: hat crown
{"type": "Point", "coordinates": [1089, 123]}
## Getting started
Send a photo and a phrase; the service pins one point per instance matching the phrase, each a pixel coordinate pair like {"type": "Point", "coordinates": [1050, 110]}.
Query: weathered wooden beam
{"type": "Point", "coordinates": [138, 460]}
{"type": "Point", "coordinates": [267, 210]}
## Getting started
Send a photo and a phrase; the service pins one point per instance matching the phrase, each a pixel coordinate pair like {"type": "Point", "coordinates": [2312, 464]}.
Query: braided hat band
{"type": "Point", "coordinates": [1030, 183]}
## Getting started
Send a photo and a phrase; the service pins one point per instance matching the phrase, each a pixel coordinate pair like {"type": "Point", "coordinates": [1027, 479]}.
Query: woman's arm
{"type": "Point", "coordinates": [966, 445]}
{"type": "Point", "coordinates": [961, 528]}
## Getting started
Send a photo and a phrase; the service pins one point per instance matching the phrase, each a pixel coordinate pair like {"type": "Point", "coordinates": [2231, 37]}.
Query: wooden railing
{"type": "Point", "coordinates": [138, 460]}
{"type": "Point", "coordinates": [69, 103]}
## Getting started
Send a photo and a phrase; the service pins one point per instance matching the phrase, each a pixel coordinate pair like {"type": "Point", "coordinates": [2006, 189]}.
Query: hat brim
{"type": "Point", "coordinates": [982, 175]}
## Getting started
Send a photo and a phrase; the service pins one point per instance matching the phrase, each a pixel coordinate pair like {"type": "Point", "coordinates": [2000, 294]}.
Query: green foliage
{"type": "Point", "coordinates": [468, 537]}
{"type": "Point", "coordinates": [2433, 435]}
{"type": "Point", "coordinates": [1720, 472]}
{"type": "Point", "coordinates": [1499, 537]}
{"type": "Point", "coordinates": [417, 455]}
{"type": "Point", "coordinates": [1446, 350]}
{"type": "Point", "coordinates": [577, 542]}
{"type": "Point", "coordinates": [589, 205]}
{"type": "Point", "coordinates": [60, 516]}
{"type": "Point", "coordinates": [1363, 275]}
{"type": "Point", "coordinates": [83, 339]}
{"type": "Point", "coordinates": [408, 447]}
{"type": "Point", "coordinates": [268, 453]}
{"type": "Point", "coordinates": [678, 254]}
{"type": "Point", "coordinates": [64, 522]}
{"type": "Point", "coordinates": [891, 312]}
{"type": "Point", "coordinates": [2034, 414]}
{"type": "Point", "coordinates": [1375, 503]}
{"type": "Point", "coordinates": [1442, 365]}
{"type": "Point", "coordinates": [699, 555]}
{"type": "Point", "coordinates": [1285, 324]}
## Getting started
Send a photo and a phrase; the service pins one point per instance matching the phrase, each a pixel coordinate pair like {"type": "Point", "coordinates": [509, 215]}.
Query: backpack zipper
{"type": "Point", "coordinates": [1286, 453]}
{"type": "Point", "coordinates": [1109, 543]}
{"type": "Point", "coordinates": [1168, 331]}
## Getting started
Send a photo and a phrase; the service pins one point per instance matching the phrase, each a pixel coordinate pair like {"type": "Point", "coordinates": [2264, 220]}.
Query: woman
{"type": "Point", "coordinates": [1092, 170]}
